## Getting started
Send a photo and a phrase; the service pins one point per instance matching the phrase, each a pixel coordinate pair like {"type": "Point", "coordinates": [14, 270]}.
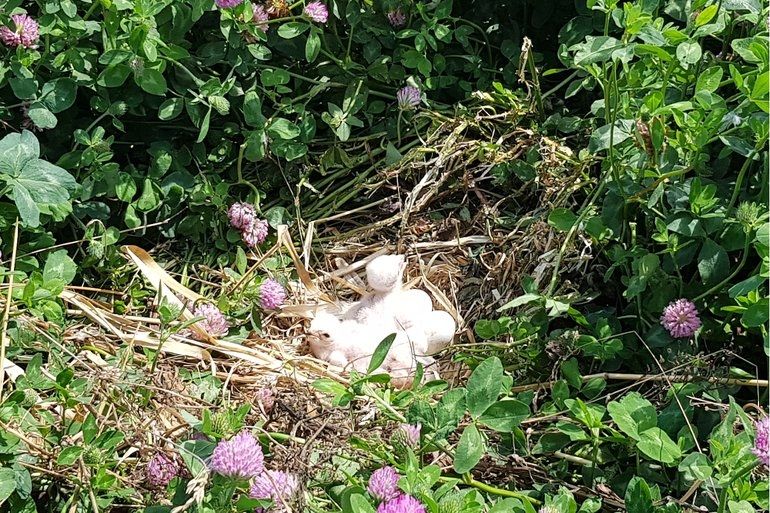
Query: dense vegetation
{"type": "Point", "coordinates": [626, 372]}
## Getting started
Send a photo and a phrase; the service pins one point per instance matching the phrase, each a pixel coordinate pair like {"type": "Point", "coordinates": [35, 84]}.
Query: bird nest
{"type": "Point", "coordinates": [469, 227]}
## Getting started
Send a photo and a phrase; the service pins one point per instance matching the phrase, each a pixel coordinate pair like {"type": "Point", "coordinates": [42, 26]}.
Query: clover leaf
{"type": "Point", "coordinates": [31, 181]}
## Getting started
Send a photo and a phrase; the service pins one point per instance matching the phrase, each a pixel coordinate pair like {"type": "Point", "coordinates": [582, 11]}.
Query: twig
{"type": "Point", "coordinates": [574, 459]}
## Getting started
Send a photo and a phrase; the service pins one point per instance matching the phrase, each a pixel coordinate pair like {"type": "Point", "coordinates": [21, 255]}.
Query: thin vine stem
{"type": "Point", "coordinates": [742, 173]}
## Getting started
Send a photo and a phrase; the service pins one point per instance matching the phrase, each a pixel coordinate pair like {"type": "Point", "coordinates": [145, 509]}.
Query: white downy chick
{"type": "Point", "coordinates": [324, 339]}
{"type": "Point", "coordinates": [401, 361]}
{"type": "Point", "coordinates": [440, 330]}
{"type": "Point", "coordinates": [369, 337]}
{"type": "Point", "coordinates": [410, 307]}
{"type": "Point", "coordinates": [384, 275]}
{"type": "Point", "coordinates": [403, 358]}
{"type": "Point", "coordinates": [345, 342]}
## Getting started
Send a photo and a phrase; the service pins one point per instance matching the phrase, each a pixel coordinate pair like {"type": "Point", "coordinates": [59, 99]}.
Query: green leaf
{"type": "Point", "coordinates": [571, 373]}
{"type": "Point", "coordinates": [125, 189]}
{"type": "Point", "coordinates": [381, 353]}
{"type": "Point", "coordinates": [521, 300]}
{"type": "Point", "coordinates": [763, 235]}
{"type": "Point", "coordinates": [633, 414]}
{"type": "Point", "coordinates": [744, 287]}
{"type": "Point", "coordinates": [597, 49]}
{"type": "Point", "coordinates": [149, 198]}
{"type": "Point", "coordinates": [688, 53]}
{"type": "Point", "coordinates": [59, 266]}
{"type": "Point", "coordinates": [360, 504]}
{"type": "Point", "coordinates": [639, 496]}
{"type": "Point", "coordinates": [713, 263]}
{"type": "Point", "coordinates": [114, 76]}
{"type": "Point", "coordinates": [605, 136]}
{"type": "Point", "coordinates": [451, 409]}
{"type": "Point", "coordinates": [593, 387]}
{"type": "Point", "coordinates": [112, 57]}
{"type": "Point", "coordinates": [252, 109]}
{"type": "Point", "coordinates": [7, 483]}
{"type": "Point", "coordinates": [487, 329]}
{"type": "Point", "coordinates": [706, 15]}
{"type": "Point", "coordinates": [742, 506]}
{"type": "Point", "coordinates": [152, 81]}
{"type": "Point", "coordinates": [443, 9]}
{"type": "Point", "coordinates": [590, 505]}
{"type": "Point", "coordinates": [506, 506]}
{"type": "Point", "coordinates": [329, 386]}
{"type": "Point", "coordinates": [243, 504]}
{"type": "Point", "coordinates": [276, 216]}
{"type": "Point", "coordinates": [23, 88]}
{"type": "Point", "coordinates": [469, 450]}
{"type": "Point", "coordinates": [647, 265]}
{"type": "Point", "coordinates": [392, 155]}
{"type": "Point", "coordinates": [312, 47]}
{"type": "Point", "coordinates": [64, 377]}
{"type": "Point", "coordinates": [90, 429]}
{"type": "Point", "coordinates": [709, 80]}
{"type": "Point", "coordinates": [657, 445]}
{"type": "Point", "coordinates": [59, 95]}
{"type": "Point", "coordinates": [282, 128]}
{"type": "Point", "coordinates": [32, 181]}
{"type": "Point", "coordinates": [69, 455]}
{"type": "Point", "coordinates": [562, 219]}
{"type": "Point", "coordinates": [505, 415]}
{"type": "Point", "coordinates": [255, 146]}
{"type": "Point", "coordinates": [274, 77]}
{"type": "Point", "coordinates": [204, 128]}
{"type": "Point", "coordinates": [42, 117]}
{"type": "Point", "coordinates": [757, 314]}
{"type": "Point", "coordinates": [753, 6]}
{"type": "Point", "coordinates": [695, 466]}
{"type": "Point", "coordinates": [759, 93]}
{"type": "Point", "coordinates": [289, 150]}
{"type": "Point", "coordinates": [589, 414]}
{"type": "Point", "coordinates": [292, 29]}
{"type": "Point", "coordinates": [170, 108]}
{"type": "Point", "coordinates": [484, 386]}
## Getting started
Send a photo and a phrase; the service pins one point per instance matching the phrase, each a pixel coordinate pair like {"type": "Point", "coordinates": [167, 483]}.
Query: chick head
{"type": "Point", "coordinates": [323, 327]}
{"type": "Point", "coordinates": [385, 272]}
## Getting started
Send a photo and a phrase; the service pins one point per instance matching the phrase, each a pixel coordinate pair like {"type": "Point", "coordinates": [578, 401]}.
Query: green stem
{"type": "Point", "coordinates": [350, 42]}
{"type": "Point", "coordinates": [198, 81]}
{"type": "Point", "coordinates": [239, 170]}
{"type": "Point", "coordinates": [370, 392]}
{"type": "Point", "coordinates": [482, 32]}
{"type": "Point", "coordinates": [279, 437]}
{"type": "Point", "coordinates": [90, 11]}
{"type": "Point", "coordinates": [742, 173]}
{"type": "Point", "coordinates": [583, 213]}
{"type": "Point", "coordinates": [468, 480]}
{"type": "Point", "coordinates": [281, 20]}
{"type": "Point", "coordinates": [319, 82]}
{"type": "Point", "coordinates": [535, 81]}
{"type": "Point", "coordinates": [398, 126]}
{"type": "Point", "coordinates": [560, 85]}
